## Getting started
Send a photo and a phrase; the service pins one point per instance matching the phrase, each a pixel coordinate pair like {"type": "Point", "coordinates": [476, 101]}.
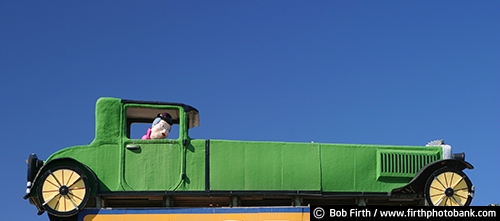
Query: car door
{"type": "Point", "coordinates": [152, 165]}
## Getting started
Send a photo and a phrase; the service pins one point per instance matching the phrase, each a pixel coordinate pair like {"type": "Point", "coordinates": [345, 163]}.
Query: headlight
{"type": "Point", "coordinates": [459, 156]}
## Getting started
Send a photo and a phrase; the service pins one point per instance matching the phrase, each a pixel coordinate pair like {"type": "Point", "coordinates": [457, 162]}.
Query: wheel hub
{"type": "Point", "coordinates": [64, 190]}
{"type": "Point", "coordinates": [449, 192]}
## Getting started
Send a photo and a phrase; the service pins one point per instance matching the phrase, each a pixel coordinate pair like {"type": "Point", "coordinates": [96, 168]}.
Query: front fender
{"type": "Point", "coordinates": [34, 165]}
{"type": "Point", "coordinates": [415, 187]}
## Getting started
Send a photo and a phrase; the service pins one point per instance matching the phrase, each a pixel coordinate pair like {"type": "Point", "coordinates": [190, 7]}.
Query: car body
{"type": "Point", "coordinates": [117, 170]}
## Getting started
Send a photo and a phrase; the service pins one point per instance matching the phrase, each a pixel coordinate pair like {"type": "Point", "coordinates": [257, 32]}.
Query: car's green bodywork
{"type": "Point", "coordinates": [237, 165]}
{"type": "Point", "coordinates": [122, 165]}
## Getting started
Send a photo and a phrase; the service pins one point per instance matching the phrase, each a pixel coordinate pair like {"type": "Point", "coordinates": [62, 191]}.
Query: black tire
{"type": "Point", "coordinates": [63, 191]}
{"type": "Point", "coordinates": [449, 187]}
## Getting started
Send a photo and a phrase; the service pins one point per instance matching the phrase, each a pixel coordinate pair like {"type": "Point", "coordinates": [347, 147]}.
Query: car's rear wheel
{"type": "Point", "coordinates": [63, 191]}
{"type": "Point", "coordinates": [449, 187]}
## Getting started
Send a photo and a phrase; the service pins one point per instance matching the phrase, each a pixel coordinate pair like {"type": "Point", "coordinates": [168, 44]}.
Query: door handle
{"type": "Point", "coordinates": [133, 146]}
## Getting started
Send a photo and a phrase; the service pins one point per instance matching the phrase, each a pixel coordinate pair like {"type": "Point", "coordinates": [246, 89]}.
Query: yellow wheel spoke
{"type": "Point", "coordinates": [55, 203]}
{"type": "Point", "coordinates": [47, 197]}
{"type": "Point", "coordinates": [445, 180]}
{"type": "Point", "coordinates": [457, 201]}
{"type": "Point", "coordinates": [62, 177]}
{"type": "Point", "coordinates": [451, 202]}
{"type": "Point", "coordinates": [461, 185]}
{"type": "Point", "coordinates": [438, 194]}
{"type": "Point", "coordinates": [79, 194]}
{"type": "Point", "coordinates": [439, 181]}
{"type": "Point", "coordinates": [436, 199]}
{"type": "Point", "coordinates": [465, 188]}
{"type": "Point", "coordinates": [65, 205]}
{"type": "Point", "coordinates": [457, 182]}
{"type": "Point", "coordinates": [53, 184]}
{"type": "Point", "coordinates": [50, 199]}
{"type": "Point", "coordinates": [69, 179]}
{"type": "Point", "coordinates": [447, 202]}
{"type": "Point", "coordinates": [72, 203]}
{"type": "Point", "coordinates": [437, 189]}
{"type": "Point", "coordinates": [439, 201]}
{"type": "Point", "coordinates": [50, 191]}
{"type": "Point", "coordinates": [462, 194]}
{"type": "Point", "coordinates": [49, 187]}
{"type": "Point", "coordinates": [55, 175]}
{"type": "Point", "coordinates": [78, 183]}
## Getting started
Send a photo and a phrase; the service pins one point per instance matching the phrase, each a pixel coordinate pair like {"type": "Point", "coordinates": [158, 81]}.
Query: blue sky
{"type": "Point", "coordinates": [367, 72]}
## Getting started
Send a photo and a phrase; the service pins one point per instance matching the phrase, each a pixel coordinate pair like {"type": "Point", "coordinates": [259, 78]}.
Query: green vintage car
{"type": "Point", "coordinates": [118, 170]}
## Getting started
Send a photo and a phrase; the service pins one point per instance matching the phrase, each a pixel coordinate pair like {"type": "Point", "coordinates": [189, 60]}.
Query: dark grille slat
{"type": "Point", "coordinates": [394, 164]}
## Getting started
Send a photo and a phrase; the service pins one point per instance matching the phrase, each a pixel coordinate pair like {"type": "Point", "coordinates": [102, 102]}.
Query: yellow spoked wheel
{"type": "Point", "coordinates": [63, 191]}
{"type": "Point", "coordinates": [449, 187]}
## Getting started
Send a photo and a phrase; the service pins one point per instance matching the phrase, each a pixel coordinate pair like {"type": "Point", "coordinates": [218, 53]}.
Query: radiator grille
{"type": "Point", "coordinates": [404, 164]}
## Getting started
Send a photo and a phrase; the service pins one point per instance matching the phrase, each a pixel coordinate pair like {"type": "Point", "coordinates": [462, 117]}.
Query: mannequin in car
{"type": "Point", "coordinates": [160, 128]}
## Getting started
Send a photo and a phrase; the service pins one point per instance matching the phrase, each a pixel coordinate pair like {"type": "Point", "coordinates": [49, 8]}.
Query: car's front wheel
{"type": "Point", "coordinates": [63, 190]}
{"type": "Point", "coordinates": [449, 187]}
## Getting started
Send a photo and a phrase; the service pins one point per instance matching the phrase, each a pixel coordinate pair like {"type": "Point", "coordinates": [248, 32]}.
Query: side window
{"type": "Point", "coordinates": [161, 121]}
{"type": "Point", "coordinates": [137, 130]}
